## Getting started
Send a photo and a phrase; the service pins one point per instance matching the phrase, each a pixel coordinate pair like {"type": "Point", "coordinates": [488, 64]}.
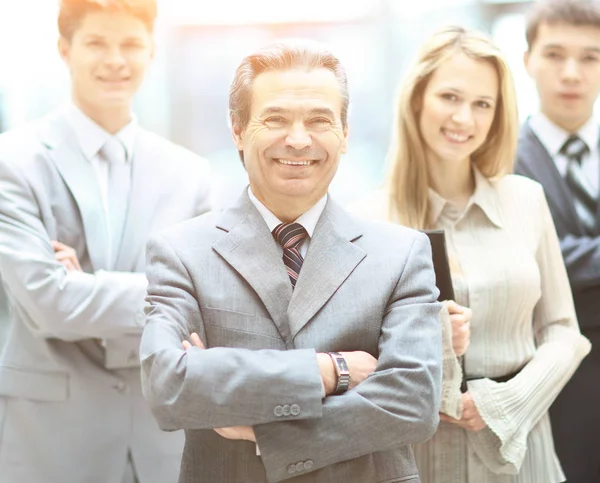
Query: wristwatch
{"type": "Point", "coordinates": [342, 371]}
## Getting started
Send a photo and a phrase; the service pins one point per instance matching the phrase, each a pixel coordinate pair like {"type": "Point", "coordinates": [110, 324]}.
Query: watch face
{"type": "Point", "coordinates": [343, 365]}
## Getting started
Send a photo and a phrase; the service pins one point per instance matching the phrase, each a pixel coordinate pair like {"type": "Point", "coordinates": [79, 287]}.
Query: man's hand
{"type": "Point", "coordinates": [195, 340]}
{"type": "Point", "coordinates": [237, 432]}
{"type": "Point", "coordinates": [67, 256]}
{"type": "Point", "coordinates": [470, 419]}
{"type": "Point", "coordinates": [360, 365]}
{"type": "Point", "coordinates": [460, 319]}
{"type": "Point", "coordinates": [234, 432]}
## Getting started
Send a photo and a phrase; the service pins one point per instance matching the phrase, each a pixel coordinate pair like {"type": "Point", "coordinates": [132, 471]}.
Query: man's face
{"type": "Point", "coordinates": [294, 139]}
{"type": "Point", "coordinates": [107, 57]}
{"type": "Point", "coordinates": [564, 62]}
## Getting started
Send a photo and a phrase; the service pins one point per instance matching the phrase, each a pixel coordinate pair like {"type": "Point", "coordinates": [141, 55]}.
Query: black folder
{"type": "Point", "coordinates": [443, 277]}
{"type": "Point", "coordinates": [441, 264]}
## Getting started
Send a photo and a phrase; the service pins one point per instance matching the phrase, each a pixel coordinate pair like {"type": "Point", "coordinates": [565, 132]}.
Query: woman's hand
{"type": "Point", "coordinates": [460, 320]}
{"type": "Point", "coordinates": [470, 419]}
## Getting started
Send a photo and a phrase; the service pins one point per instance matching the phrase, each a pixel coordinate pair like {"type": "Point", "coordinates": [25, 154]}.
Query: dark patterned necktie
{"type": "Point", "coordinates": [586, 200]}
{"type": "Point", "coordinates": [289, 236]}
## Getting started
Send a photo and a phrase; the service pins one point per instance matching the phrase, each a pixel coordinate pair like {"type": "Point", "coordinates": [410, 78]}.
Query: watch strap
{"type": "Point", "coordinates": [342, 371]}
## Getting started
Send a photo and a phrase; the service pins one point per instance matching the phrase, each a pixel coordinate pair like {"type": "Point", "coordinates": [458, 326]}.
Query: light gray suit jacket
{"type": "Point", "coordinates": [65, 417]}
{"type": "Point", "coordinates": [363, 286]}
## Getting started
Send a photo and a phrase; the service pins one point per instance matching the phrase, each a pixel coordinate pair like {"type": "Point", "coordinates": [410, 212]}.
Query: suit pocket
{"type": "Point", "coordinates": [37, 386]}
{"type": "Point", "coordinates": [228, 328]}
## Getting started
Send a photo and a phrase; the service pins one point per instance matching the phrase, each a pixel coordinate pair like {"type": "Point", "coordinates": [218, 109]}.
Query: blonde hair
{"type": "Point", "coordinates": [408, 180]}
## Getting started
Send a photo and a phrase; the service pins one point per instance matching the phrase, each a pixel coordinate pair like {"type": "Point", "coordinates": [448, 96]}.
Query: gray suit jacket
{"type": "Point", "coordinates": [65, 417]}
{"type": "Point", "coordinates": [363, 286]}
{"type": "Point", "coordinates": [581, 252]}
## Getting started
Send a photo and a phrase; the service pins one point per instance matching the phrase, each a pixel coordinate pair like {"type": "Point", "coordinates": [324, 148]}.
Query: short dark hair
{"type": "Point", "coordinates": [72, 12]}
{"type": "Point", "coordinates": [572, 12]}
{"type": "Point", "coordinates": [283, 55]}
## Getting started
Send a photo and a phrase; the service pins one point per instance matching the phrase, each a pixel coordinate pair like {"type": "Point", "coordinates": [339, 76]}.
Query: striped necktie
{"type": "Point", "coordinates": [289, 236]}
{"type": "Point", "coordinates": [584, 196]}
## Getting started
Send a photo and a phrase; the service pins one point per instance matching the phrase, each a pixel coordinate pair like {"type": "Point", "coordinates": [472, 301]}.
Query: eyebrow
{"type": "Point", "coordinates": [595, 50]}
{"type": "Point", "coordinates": [458, 91]}
{"type": "Point", "coordinates": [318, 111]}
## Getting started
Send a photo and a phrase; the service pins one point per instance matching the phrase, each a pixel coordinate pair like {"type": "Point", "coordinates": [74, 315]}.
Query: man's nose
{"type": "Point", "coordinates": [114, 56]}
{"type": "Point", "coordinates": [298, 136]}
{"type": "Point", "coordinates": [570, 71]}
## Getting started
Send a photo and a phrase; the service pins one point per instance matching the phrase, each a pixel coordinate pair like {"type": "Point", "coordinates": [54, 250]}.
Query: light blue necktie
{"type": "Point", "coordinates": [119, 181]}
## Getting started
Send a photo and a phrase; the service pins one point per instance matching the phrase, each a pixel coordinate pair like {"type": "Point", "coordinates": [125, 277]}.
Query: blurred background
{"type": "Point", "coordinates": [200, 43]}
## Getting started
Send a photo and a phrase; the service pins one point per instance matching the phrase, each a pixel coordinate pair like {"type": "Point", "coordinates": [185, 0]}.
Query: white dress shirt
{"type": "Point", "coordinates": [553, 138]}
{"type": "Point", "coordinates": [308, 219]}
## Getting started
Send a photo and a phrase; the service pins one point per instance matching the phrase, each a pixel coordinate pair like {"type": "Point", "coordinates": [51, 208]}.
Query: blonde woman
{"type": "Point", "coordinates": [454, 142]}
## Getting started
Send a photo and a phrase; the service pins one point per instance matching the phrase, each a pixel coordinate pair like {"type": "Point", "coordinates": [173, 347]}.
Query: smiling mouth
{"type": "Point", "coordinates": [289, 162]}
{"type": "Point", "coordinates": [113, 81]}
{"type": "Point", "coordinates": [456, 137]}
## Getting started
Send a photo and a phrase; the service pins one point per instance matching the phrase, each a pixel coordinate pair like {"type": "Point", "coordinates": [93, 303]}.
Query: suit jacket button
{"type": "Point", "coordinates": [291, 469]}
{"type": "Point", "coordinates": [286, 410]}
{"type": "Point", "coordinates": [295, 409]}
{"type": "Point", "coordinates": [278, 411]}
{"type": "Point", "coordinates": [300, 467]}
{"type": "Point", "coordinates": [308, 464]}
{"type": "Point", "coordinates": [120, 386]}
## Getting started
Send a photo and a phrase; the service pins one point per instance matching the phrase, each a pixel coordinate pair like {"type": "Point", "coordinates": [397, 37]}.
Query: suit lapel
{"type": "Point", "coordinates": [141, 205]}
{"type": "Point", "coordinates": [332, 257]}
{"type": "Point", "coordinates": [81, 181]}
{"type": "Point", "coordinates": [539, 162]}
{"type": "Point", "coordinates": [250, 249]}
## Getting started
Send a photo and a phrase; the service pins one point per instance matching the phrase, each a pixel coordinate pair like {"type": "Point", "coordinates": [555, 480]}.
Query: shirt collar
{"type": "Point", "coordinates": [553, 137]}
{"type": "Point", "coordinates": [485, 197]}
{"type": "Point", "coordinates": [308, 219]}
{"type": "Point", "coordinates": [91, 136]}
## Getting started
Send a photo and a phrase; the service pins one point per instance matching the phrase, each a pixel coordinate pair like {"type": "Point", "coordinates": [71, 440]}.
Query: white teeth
{"type": "Point", "coordinates": [456, 137]}
{"type": "Point", "coordinates": [294, 163]}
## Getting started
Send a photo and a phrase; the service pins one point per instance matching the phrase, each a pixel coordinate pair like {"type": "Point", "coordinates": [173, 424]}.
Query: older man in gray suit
{"type": "Point", "coordinates": [316, 336]}
{"type": "Point", "coordinates": [80, 193]}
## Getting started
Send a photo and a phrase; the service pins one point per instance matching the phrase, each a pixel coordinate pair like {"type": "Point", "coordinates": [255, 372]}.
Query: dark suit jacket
{"type": "Point", "coordinates": [580, 251]}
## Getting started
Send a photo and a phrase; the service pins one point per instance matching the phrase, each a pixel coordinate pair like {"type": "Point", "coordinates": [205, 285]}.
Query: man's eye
{"type": "Point", "coordinates": [590, 59]}
{"type": "Point", "coordinates": [275, 120]}
{"type": "Point", "coordinates": [320, 120]}
{"type": "Point", "coordinates": [553, 55]}
{"type": "Point", "coordinates": [132, 45]}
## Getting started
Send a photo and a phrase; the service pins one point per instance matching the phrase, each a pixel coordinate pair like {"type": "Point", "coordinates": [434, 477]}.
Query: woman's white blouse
{"type": "Point", "coordinates": [507, 267]}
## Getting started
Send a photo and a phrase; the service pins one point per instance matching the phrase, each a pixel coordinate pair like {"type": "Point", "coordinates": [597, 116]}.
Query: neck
{"type": "Point", "coordinates": [571, 125]}
{"type": "Point", "coordinates": [453, 182]}
{"type": "Point", "coordinates": [111, 118]}
{"type": "Point", "coordinates": [286, 209]}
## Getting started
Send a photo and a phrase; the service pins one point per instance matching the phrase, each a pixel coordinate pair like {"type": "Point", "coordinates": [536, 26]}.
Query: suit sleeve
{"type": "Point", "coordinates": [512, 409]}
{"type": "Point", "coordinates": [216, 387]}
{"type": "Point", "coordinates": [396, 405]}
{"type": "Point", "coordinates": [56, 303]}
{"type": "Point", "coordinates": [581, 254]}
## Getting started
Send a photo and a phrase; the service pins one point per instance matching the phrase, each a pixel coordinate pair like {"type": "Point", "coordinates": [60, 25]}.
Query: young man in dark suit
{"type": "Point", "coordinates": [559, 147]}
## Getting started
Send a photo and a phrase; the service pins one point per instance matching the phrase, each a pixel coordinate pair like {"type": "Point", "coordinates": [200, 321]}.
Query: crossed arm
{"type": "Point", "coordinates": [220, 387]}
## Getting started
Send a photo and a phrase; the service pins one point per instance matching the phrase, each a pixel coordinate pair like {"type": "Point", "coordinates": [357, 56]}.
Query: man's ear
{"type": "Point", "coordinates": [64, 46]}
{"type": "Point", "coordinates": [526, 58]}
{"type": "Point", "coordinates": [237, 133]}
{"type": "Point", "coordinates": [344, 149]}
